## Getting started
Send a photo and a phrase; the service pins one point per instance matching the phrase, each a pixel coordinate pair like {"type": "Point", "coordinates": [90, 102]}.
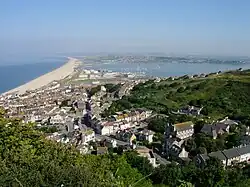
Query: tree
{"type": "Point", "coordinates": [168, 175]}
{"type": "Point", "coordinates": [94, 90]}
{"type": "Point", "coordinates": [181, 89]}
{"type": "Point", "coordinates": [201, 150]}
{"type": "Point", "coordinates": [190, 145]}
{"type": "Point", "coordinates": [213, 174]}
{"type": "Point", "coordinates": [185, 184]}
{"type": "Point", "coordinates": [203, 140]}
{"type": "Point", "coordinates": [232, 140]}
{"type": "Point", "coordinates": [157, 124]}
{"type": "Point", "coordinates": [141, 163]}
{"type": "Point", "coordinates": [2, 112]}
{"type": "Point", "coordinates": [28, 159]}
{"type": "Point", "coordinates": [198, 126]}
{"type": "Point", "coordinates": [236, 176]}
{"type": "Point", "coordinates": [175, 84]}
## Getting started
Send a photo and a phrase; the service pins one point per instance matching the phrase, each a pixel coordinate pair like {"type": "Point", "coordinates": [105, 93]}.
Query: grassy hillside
{"type": "Point", "coordinates": [220, 95]}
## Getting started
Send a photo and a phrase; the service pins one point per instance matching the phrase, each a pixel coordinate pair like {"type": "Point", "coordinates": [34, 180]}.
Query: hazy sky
{"type": "Point", "coordinates": [206, 27]}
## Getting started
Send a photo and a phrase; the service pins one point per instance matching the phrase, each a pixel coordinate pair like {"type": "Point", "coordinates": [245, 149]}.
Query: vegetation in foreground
{"type": "Point", "coordinates": [28, 159]}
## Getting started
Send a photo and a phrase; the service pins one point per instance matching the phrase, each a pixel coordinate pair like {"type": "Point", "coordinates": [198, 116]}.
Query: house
{"type": "Point", "coordinates": [215, 129]}
{"type": "Point", "coordinates": [35, 118]}
{"type": "Point", "coordinates": [69, 122]}
{"type": "Point", "coordinates": [142, 114]}
{"type": "Point", "coordinates": [175, 136]}
{"type": "Point", "coordinates": [81, 105]}
{"type": "Point", "coordinates": [228, 157]}
{"type": "Point", "coordinates": [245, 140]}
{"type": "Point", "coordinates": [183, 130]}
{"type": "Point", "coordinates": [148, 153]}
{"type": "Point", "coordinates": [244, 152]}
{"type": "Point", "coordinates": [111, 143]}
{"type": "Point", "coordinates": [247, 131]}
{"type": "Point", "coordinates": [87, 135]}
{"type": "Point", "coordinates": [132, 116]}
{"type": "Point", "coordinates": [232, 156]}
{"type": "Point", "coordinates": [57, 119]}
{"type": "Point", "coordinates": [201, 159]}
{"type": "Point", "coordinates": [102, 127]}
{"type": "Point", "coordinates": [145, 135]}
{"type": "Point", "coordinates": [220, 155]}
{"type": "Point", "coordinates": [106, 128]}
{"type": "Point", "coordinates": [229, 121]}
{"type": "Point", "coordinates": [126, 136]}
{"type": "Point", "coordinates": [173, 147]}
{"type": "Point", "coordinates": [190, 110]}
{"type": "Point", "coordinates": [124, 125]}
{"type": "Point", "coordinates": [102, 150]}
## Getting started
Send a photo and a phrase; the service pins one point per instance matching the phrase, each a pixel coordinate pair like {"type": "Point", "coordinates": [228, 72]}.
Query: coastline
{"type": "Point", "coordinates": [55, 75]}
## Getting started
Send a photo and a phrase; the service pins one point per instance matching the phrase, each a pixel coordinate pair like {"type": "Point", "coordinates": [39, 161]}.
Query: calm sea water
{"type": "Point", "coordinates": [15, 75]}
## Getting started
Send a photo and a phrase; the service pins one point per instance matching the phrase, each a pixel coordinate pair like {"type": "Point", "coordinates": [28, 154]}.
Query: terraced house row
{"type": "Point", "coordinates": [228, 157]}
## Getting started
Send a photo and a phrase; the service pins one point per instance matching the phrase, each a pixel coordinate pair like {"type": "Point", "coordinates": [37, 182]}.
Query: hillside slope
{"type": "Point", "coordinates": [223, 94]}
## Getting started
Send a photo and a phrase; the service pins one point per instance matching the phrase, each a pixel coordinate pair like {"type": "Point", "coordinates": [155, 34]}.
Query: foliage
{"type": "Point", "coordinates": [65, 103]}
{"type": "Point", "coordinates": [221, 95]}
{"type": "Point", "coordinates": [94, 90]}
{"type": "Point", "coordinates": [140, 163]}
{"type": "Point", "coordinates": [213, 174]}
{"type": "Point", "coordinates": [2, 112]}
{"type": "Point", "coordinates": [28, 159]}
{"type": "Point", "coordinates": [46, 129]}
{"type": "Point", "coordinates": [157, 124]}
{"type": "Point", "coordinates": [112, 87]}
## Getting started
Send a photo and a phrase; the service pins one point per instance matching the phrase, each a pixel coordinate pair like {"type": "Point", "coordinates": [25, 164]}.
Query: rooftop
{"type": "Point", "coordinates": [217, 154]}
{"type": "Point", "coordinates": [183, 126]}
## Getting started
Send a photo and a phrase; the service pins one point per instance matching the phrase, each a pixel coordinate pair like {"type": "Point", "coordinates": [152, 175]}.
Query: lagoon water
{"type": "Point", "coordinates": [167, 69]}
{"type": "Point", "coordinates": [16, 75]}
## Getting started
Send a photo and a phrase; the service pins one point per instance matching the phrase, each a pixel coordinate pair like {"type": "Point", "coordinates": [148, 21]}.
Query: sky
{"type": "Point", "coordinates": [202, 27]}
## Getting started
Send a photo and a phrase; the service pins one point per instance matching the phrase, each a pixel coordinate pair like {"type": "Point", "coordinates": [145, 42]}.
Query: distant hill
{"type": "Point", "coordinates": [220, 94]}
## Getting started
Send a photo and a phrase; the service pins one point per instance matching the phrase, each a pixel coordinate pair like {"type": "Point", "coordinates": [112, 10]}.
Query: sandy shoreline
{"type": "Point", "coordinates": [55, 75]}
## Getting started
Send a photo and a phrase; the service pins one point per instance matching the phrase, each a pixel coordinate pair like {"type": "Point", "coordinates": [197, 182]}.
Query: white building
{"type": "Point", "coordinates": [107, 129]}
{"type": "Point", "coordinates": [88, 135]}
{"type": "Point", "coordinates": [57, 119]}
{"type": "Point", "coordinates": [175, 135]}
{"type": "Point", "coordinates": [35, 118]}
{"type": "Point", "coordinates": [124, 125]}
{"type": "Point", "coordinates": [184, 130]}
{"type": "Point", "coordinates": [104, 128]}
{"type": "Point", "coordinates": [228, 157]}
{"type": "Point", "coordinates": [145, 135]}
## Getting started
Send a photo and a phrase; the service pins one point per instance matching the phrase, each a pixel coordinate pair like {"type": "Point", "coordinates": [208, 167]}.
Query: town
{"type": "Point", "coordinates": [71, 113]}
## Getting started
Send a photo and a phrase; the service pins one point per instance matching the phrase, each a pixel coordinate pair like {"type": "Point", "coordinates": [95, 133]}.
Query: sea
{"type": "Point", "coordinates": [13, 75]}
